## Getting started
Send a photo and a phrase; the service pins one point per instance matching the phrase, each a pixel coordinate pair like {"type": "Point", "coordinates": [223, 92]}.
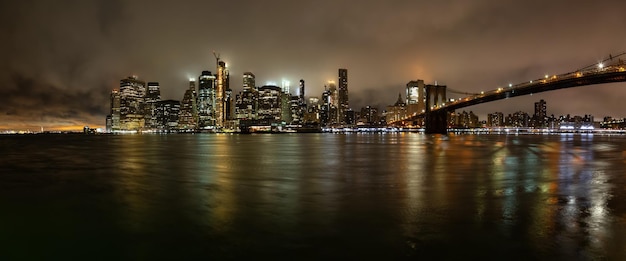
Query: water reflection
{"type": "Point", "coordinates": [399, 195]}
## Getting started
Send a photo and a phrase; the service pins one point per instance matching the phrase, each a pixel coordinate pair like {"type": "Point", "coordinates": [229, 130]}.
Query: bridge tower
{"type": "Point", "coordinates": [436, 121]}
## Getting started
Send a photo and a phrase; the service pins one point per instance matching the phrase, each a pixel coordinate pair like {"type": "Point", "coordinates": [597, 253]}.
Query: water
{"type": "Point", "coordinates": [313, 196]}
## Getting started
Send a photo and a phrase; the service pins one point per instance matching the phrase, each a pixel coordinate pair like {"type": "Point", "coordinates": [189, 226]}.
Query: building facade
{"type": "Point", "coordinates": [188, 117]}
{"type": "Point", "coordinates": [132, 103]}
{"type": "Point", "coordinates": [343, 104]}
{"type": "Point", "coordinates": [206, 100]}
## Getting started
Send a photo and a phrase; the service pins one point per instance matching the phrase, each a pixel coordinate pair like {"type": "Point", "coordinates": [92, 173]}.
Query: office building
{"type": "Point", "coordinates": [167, 113]}
{"type": "Point", "coordinates": [115, 111]}
{"type": "Point", "coordinates": [132, 103]}
{"type": "Point", "coordinates": [188, 117]}
{"type": "Point", "coordinates": [270, 103]}
{"type": "Point", "coordinates": [206, 100]}
{"type": "Point", "coordinates": [415, 97]}
{"type": "Point", "coordinates": [342, 97]}
{"type": "Point", "coordinates": [540, 116]}
{"type": "Point", "coordinates": [495, 119]}
{"type": "Point", "coordinates": [220, 94]}
{"type": "Point", "coordinates": [153, 96]}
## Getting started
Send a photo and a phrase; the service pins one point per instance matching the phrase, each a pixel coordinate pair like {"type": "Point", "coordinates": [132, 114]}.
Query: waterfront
{"type": "Point", "coordinates": [313, 196]}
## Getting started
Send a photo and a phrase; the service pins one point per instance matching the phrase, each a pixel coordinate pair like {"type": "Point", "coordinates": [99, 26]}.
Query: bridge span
{"type": "Point", "coordinates": [436, 117]}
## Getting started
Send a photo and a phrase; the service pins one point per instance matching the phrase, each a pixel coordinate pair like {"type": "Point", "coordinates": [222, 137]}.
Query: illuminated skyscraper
{"type": "Point", "coordinates": [541, 114]}
{"type": "Point", "coordinates": [188, 109]}
{"type": "Point", "coordinates": [495, 119]}
{"type": "Point", "coordinates": [206, 100]}
{"type": "Point", "coordinates": [270, 103]}
{"type": "Point", "coordinates": [325, 107]}
{"type": "Point", "coordinates": [333, 103]}
{"type": "Point", "coordinates": [152, 97]}
{"type": "Point", "coordinates": [115, 110]}
{"type": "Point", "coordinates": [301, 102]}
{"type": "Point", "coordinates": [220, 94]}
{"type": "Point", "coordinates": [312, 115]}
{"type": "Point", "coordinates": [167, 113]}
{"type": "Point", "coordinates": [415, 97]}
{"type": "Point", "coordinates": [301, 90]}
{"type": "Point", "coordinates": [248, 81]}
{"type": "Point", "coordinates": [246, 101]}
{"type": "Point", "coordinates": [343, 105]}
{"type": "Point", "coordinates": [397, 111]}
{"type": "Point", "coordinates": [132, 103]}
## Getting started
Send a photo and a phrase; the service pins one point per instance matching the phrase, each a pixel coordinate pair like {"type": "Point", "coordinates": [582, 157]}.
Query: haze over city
{"type": "Point", "coordinates": [62, 58]}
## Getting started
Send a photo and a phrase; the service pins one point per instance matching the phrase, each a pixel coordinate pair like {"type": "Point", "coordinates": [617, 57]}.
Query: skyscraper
{"type": "Point", "coordinates": [248, 81]}
{"type": "Point", "coordinates": [333, 103]}
{"type": "Point", "coordinates": [539, 118]}
{"type": "Point", "coordinates": [220, 93]}
{"type": "Point", "coordinates": [167, 113]}
{"type": "Point", "coordinates": [301, 89]}
{"type": "Point", "coordinates": [188, 109]}
{"type": "Point", "coordinates": [206, 100]}
{"type": "Point", "coordinates": [415, 97]}
{"type": "Point", "coordinates": [301, 102]}
{"type": "Point", "coordinates": [246, 101]}
{"type": "Point", "coordinates": [115, 110]}
{"type": "Point", "coordinates": [152, 97]}
{"type": "Point", "coordinates": [132, 103]}
{"type": "Point", "coordinates": [343, 105]}
{"type": "Point", "coordinates": [270, 103]}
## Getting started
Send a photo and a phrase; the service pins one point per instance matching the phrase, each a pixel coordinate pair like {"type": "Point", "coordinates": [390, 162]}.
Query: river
{"type": "Point", "coordinates": [313, 196]}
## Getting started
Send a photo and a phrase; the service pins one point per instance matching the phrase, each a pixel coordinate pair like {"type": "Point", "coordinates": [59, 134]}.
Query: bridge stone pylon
{"type": "Point", "coordinates": [436, 121]}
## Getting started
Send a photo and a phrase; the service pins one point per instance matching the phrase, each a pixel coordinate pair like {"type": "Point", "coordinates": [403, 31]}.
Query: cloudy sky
{"type": "Point", "coordinates": [61, 58]}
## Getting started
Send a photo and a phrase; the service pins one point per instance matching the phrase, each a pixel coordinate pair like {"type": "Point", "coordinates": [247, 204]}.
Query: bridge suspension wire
{"type": "Point", "coordinates": [596, 64]}
{"type": "Point", "coordinates": [460, 92]}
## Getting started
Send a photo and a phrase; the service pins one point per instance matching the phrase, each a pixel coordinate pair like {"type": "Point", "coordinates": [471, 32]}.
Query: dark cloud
{"type": "Point", "coordinates": [73, 49]}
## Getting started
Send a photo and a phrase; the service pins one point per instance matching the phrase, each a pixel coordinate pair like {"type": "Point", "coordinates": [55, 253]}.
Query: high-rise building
{"type": "Point", "coordinates": [115, 110]}
{"type": "Point", "coordinates": [397, 111]}
{"type": "Point", "coordinates": [132, 103]}
{"type": "Point", "coordinates": [312, 114]}
{"type": "Point", "coordinates": [167, 113]}
{"type": "Point", "coordinates": [206, 100]}
{"type": "Point", "coordinates": [465, 120]}
{"type": "Point", "coordinates": [109, 123]}
{"type": "Point", "coordinates": [220, 93]}
{"type": "Point", "coordinates": [301, 102]}
{"type": "Point", "coordinates": [540, 116]}
{"type": "Point", "coordinates": [188, 117]}
{"type": "Point", "coordinates": [495, 119]}
{"type": "Point", "coordinates": [369, 115]}
{"type": "Point", "coordinates": [249, 81]}
{"type": "Point", "coordinates": [415, 97]}
{"type": "Point", "coordinates": [270, 103]}
{"type": "Point", "coordinates": [343, 104]}
{"type": "Point", "coordinates": [333, 103]}
{"type": "Point", "coordinates": [301, 90]}
{"type": "Point", "coordinates": [153, 96]}
{"type": "Point", "coordinates": [246, 100]}
{"type": "Point", "coordinates": [518, 119]}
{"type": "Point", "coordinates": [296, 114]}
{"type": "Point", "coordinates": [229, 105]}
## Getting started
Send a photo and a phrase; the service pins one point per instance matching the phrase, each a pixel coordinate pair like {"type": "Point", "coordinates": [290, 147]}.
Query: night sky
{"type": "Point", "coordinates": [61, 58]}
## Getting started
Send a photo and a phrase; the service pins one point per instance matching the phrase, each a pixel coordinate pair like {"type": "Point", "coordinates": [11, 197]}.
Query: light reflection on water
{"type": "Point", "coordinates": [315, 195]}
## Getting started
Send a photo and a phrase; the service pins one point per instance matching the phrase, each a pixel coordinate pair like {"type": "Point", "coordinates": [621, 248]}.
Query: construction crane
{"type": "Point", "coordinates": [217, 57]}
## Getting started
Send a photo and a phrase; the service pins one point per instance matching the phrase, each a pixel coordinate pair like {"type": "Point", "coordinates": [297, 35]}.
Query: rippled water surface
{"type": "Point", "coordinates": [313, 196]}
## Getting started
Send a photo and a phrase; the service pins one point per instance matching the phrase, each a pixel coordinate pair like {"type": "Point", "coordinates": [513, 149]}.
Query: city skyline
{"type": "Point", "coordinates": [59, 73]}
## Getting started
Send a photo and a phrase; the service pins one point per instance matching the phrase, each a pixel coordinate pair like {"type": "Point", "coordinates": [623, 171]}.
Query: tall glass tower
{"type": "Point", "coordinates": [343, 105]}
{"type": "Point", "coordinates": [206, 100]}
